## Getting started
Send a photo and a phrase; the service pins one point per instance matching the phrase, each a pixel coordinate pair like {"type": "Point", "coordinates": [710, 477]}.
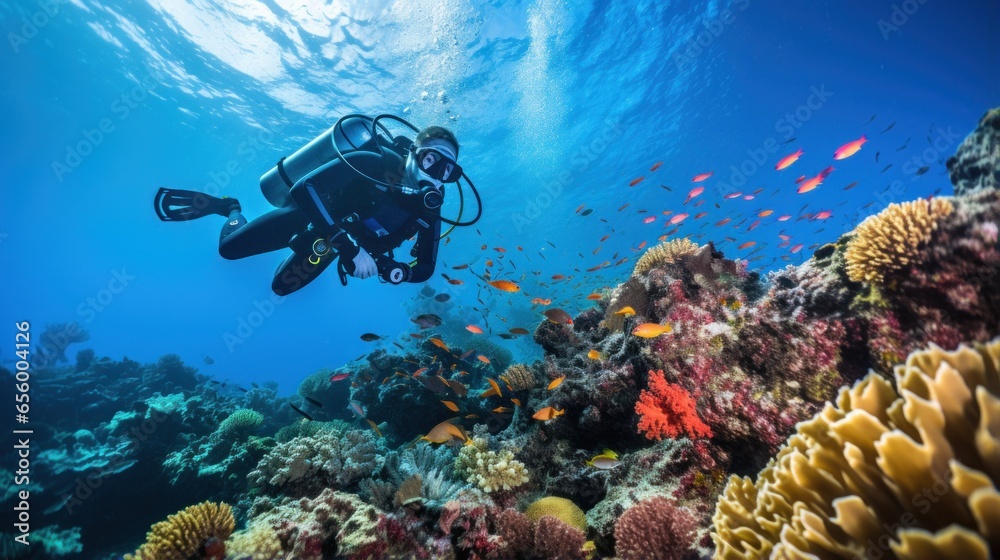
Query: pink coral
{"type": "Point", "coordinates": [557, 540]}
{"type": "Point", "coordinates": [667, 410]}
{"type": "Point", "coordinates": [655, 529]}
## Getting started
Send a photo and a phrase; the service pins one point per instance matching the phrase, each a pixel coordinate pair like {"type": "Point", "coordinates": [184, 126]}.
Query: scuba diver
{"type": "Point", "coordinates": [352, 195]}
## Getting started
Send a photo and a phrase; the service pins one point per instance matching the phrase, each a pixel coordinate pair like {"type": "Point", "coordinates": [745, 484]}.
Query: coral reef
{"type": "Point", "coordinates": [885, 471]}
{"type": "Point", "coordinates": [892, 239]}
{"type": "Point", "coordinates": [976, 164]}
{"type": "Point", "coordinates": [189, 534]}
{"type": "Point", "coordinates": [655, 529]}
{"type": "Point", "coordinates": [307, 464]}
{"type": "Point", "coordinates": [667, 410]}
{"type": "Point", "coordinates": [664, 253]}
{"type": "Point", "coordinates": [562, 509]}
{"type": "Point", "coordinates": [489, 470]}
{"type": "Point", "coordinates": [519, 378]}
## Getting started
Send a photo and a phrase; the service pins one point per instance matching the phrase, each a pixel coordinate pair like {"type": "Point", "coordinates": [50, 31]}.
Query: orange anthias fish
{"type": "Point", "coordinates": [796, 248]}
{"type": "Point", "coordinates": [474, 329]}
{"type": "Point", "coordinates": [451, 406]}
{"type": "Point", "coordinates": [439, 343]}
{"type": "Point", "coordinates": [556, 382]}
{"type": "Point", "coordinates": [594, 355]}
{"type": "Point", "coordinates": [594, 297]}
{"type": "Point", "coordinates": [651, 330]}
{"type": "Point", "coordinates": [823, 215]}
{"type": "Point", "coordinates": [636, 181]}
{"type": "Point", "coordinates": [445, 432]}
{"type": "Point", "coordinates": [765, 213]}
{"type": "Point", "coordinates": [747, 245]}
{"type": "Point", "coordinates": [849, 149]}
{"type": "Point", "coordinates": [656, 166]}
{"type": "Point", "coordinates": [810, 184]}
{"type": "Point", "coordinates": [547, 413]}
{"type": "Point", "coordinates": [626, 311]}
{"type": "Point", "coordinates": [701, 177]}
{"type": "Point", "coordinates": [483, 359]}
{"type": "Point", "coordinates": [694, 192]}
{"type": "Point", "coordinates": [723, 221]}
{"type": "Point", "coordinates": [505, 286]}
{"type": "Point", "coordinates": [788, 160]}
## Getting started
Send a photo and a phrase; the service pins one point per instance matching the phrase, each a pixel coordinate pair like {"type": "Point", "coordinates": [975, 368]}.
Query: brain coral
{"type": "Point", "coordinates": [184, 533]}
{"type": "Point", "coordinates": [892, 238]}
{"type": "Point", "coordinates": [883, 474]}
{"type": "Point", "coordinates": [562, 509]}
{"type": "Point", "coordinates": [664, 253]}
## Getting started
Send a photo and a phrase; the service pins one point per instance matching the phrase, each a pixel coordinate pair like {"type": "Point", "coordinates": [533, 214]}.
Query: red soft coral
{"type": "Point", "coordinates": [667, 410]}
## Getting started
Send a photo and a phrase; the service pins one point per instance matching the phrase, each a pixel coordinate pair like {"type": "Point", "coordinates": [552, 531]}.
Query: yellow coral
{"type": "Point", "coordinates": [562, 509]}
{"type": "Point", "coordinates": [489, 470]}
{"type": "Point", "coordinates": [910, 474]}
{"type": "Point", "coordinates": [664, 253]}
{"type": "Point", "coordinates": [185, 532]}
{"type": "Point", "coordinates": [892, 238]}
{"type": "Point", "coordinates": [519, 378]}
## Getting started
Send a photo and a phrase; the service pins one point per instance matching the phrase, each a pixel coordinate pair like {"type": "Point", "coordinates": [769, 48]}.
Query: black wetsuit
{"type": "Point", "coordinates": [334, 199]}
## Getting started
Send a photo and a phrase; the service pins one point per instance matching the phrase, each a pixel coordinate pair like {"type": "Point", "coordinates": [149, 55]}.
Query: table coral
{"type": "Point", "coordinates": [902, 473]}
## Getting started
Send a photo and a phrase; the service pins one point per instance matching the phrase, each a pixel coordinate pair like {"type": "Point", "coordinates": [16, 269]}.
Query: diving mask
{"type": "Point", "coordinates": [436, 164]}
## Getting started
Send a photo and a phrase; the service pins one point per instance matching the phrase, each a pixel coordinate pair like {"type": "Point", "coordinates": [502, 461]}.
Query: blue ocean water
{"type": "Point", "coordinates": [556, 104]}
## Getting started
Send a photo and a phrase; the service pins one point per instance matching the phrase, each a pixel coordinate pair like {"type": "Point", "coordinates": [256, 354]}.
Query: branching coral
{"type": "Point", "coordinates": [655, 529]}
{"type": "Point", "coordinates": [519, 377]}
{"type": "Point", "coordinates": [187, 532]}
{"type": "Point", "coordinates": [328, 460]}
{"type": "Point", "coordinates": [489, 470]}
{"type": "Point", "coordinates": [664, 253]}
{"type": "Point", "coordinates": [667, 410]}
{"type": "Point", "coordinates": [892, 239]}
{"type": "Point", "coordinates": [908, 474]}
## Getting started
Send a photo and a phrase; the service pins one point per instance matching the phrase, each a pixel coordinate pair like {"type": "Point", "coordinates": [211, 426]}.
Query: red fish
{"type": "Point", "coordinates": [796, 248]}
{"type": "Point", "coordinates": [788, 160]}
{"type": "Point", "coordinates": [678, 218]}
{"type": "Point", "coordinates": [849, 149]}
{"type": "Point", "coordinates": [800, 179]}
{"type": "Point", "coordinates": [339, 377]}
{"type": "Point", "coordinates": [723, 221]}
{"type": "Point", "coordinates": [656, 166]}
{"type": "Point", "coordinates": [649, 219]}
{"type": "Point", "coordinates": [747, 245]}
{"type": "Point", "coordinates": [700, 215]}
{"type": "Point", "coordinates": [736, 194]}
{"type": "Point", "coordinates": [823, 215]}
{"type": "Point", "coordinates": [694, 192]}
{"type": "Point", "coordinates": [636, 181]}
{"type": "Point", "coordinates": [784, 217]}
{"type": "Point", "coordinates": [749, 197]}
{"type": "Point", "coordinates": [753, 225]}
{"type": "Point", "coordinates": [701, 177]}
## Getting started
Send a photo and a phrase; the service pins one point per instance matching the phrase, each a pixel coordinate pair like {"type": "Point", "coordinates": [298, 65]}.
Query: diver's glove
{"type": "Point", "coordinates": [364, 265]}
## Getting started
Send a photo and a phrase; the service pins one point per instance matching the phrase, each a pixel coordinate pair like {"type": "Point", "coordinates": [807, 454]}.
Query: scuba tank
{"type": "Point", "coordinates": [350, 134]}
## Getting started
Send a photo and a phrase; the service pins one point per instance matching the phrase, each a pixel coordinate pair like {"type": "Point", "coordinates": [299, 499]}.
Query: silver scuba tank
{"type": "Point", "coordinates": [351, 133]}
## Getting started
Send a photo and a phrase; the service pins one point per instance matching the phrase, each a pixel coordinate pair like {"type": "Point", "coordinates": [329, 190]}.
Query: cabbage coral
{"type": "Point", "coordinates": [909, 474]}
{"type": "Point", "coordinates": [185, 533]}
{"type": "Point", "coordinates": [891, 239]}
{"type": "Point", "coordinates": [664, 253]}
